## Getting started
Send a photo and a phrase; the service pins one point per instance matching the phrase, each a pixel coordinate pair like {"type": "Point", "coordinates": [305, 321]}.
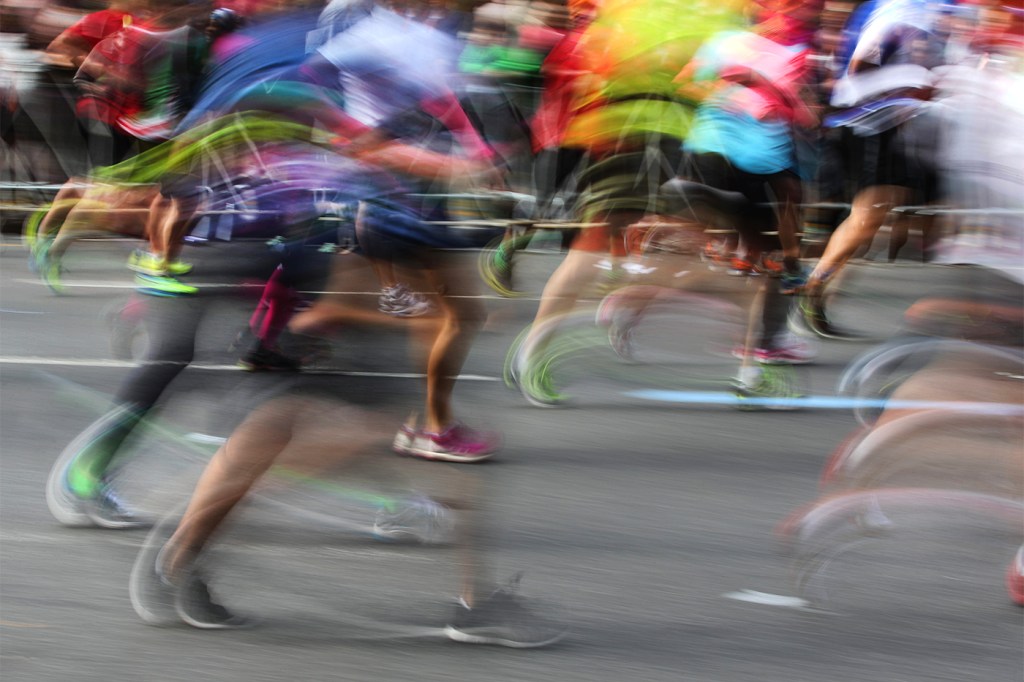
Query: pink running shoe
{"type": "Point", "coordinates": [1015, 578]}
{"type": "Point", "coordinates": [457, 443]}
{"type": "Point", "coordinates": [793, 351]}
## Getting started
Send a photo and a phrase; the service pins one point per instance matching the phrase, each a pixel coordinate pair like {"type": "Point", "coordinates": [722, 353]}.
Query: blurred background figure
{"type": "Point", "coordinates": [884, 88]}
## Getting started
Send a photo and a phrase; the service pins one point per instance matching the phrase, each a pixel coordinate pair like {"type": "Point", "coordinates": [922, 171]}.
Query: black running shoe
{"type": "Point", "coordinates": [107, 510]}
{"type": "Point", "coordinates": [504, 620]}
{"type": "Point", "coordinates": [196, 606]}
{"type": "Point", "coordinates": [815, 318]}
{"type": "Point", "coordinates": [263, 359]}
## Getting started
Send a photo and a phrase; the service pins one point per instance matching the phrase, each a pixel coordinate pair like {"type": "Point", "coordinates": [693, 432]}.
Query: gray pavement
{"type": "Point", "coordinates": [634, 521]}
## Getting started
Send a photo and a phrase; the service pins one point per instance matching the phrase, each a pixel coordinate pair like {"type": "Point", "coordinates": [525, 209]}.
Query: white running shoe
{"type": "Point", "coordinates": [399, 301]}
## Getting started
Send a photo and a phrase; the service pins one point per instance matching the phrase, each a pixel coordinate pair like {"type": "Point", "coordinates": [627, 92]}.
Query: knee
{"type": "Point", "coordinates": [467, 317]}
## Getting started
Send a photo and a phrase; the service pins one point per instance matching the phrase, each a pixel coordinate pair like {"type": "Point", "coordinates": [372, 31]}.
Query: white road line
{"type": "Point", "coordinates": [64, 362]}
{"type": "Point", "coordinates": [122, 284]}
{"type": "Point", "coordinates": [127, 364]}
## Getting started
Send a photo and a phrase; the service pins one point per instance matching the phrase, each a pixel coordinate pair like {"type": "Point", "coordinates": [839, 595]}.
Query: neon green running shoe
{"type": "Point", "coordinates": [155, 285]}
{"type": "Point", "coordinates": [775, 389]}
{"type": "Point", "coordinates": [496, 270]}
{"type": "Point", "coordinates": [50, 270]}
{"type": "Point", "coordinates": [538, 387]}
{"type": "Point", "coordinates": [151, 264]}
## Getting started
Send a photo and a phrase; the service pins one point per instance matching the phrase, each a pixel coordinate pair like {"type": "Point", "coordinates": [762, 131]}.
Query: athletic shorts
{"type": "Point", "coordinates": [624, 179]}
{"type": "Point", "coordinates": [889, 158]}
{"type": "Point", "coordinates": [400, 232]}
{"type": "Point", "coordinates": [761, 191]}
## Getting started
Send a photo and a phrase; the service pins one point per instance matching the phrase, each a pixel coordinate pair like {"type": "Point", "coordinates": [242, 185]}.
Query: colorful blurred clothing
{"type": "Point", "coordinates": [750, 119]}
{"type": "Point", "coordinates": [632, 53]}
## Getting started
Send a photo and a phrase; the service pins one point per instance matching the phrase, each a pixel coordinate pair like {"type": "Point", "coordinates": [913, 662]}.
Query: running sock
{"type": "Point", "coordinates": [749, 375]}
{"type": "Point", "coordinates": [820, 276]}
{"type": "Point", "coordinates": [503, 254]}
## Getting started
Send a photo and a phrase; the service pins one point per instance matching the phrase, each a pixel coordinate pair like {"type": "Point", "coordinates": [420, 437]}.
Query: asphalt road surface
{"type": "Point", "coordinates": [649, 527]}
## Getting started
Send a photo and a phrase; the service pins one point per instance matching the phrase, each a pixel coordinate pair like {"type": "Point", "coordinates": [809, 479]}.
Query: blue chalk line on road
{"type": "Point", "coordinates": [818, 402]}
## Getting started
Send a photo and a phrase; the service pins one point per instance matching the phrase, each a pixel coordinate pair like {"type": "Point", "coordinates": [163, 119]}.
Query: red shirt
{"type": "Point", "coordinates": [560, 70]}
{"type": "Point", "coordinates": [92, 28]}
{"type": "Point", "coordinates": [111, 64]}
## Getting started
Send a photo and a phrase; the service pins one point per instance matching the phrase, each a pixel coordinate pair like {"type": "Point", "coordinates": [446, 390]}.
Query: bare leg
{"type": "Point", "coordinates": [317, 436]}
{"type": "Point", "coordinates": [385, 272]}
{"type": "Point", "coordinates": [159, 213]}
{"type": "Point", "coordinates": [576, 272]}
{"type": "Point", "coordinates": [243, 459]}
{"type": "Point", "coordinates": [870, 207]}
{"type": "Point", "coordinates": [67, 198]}
{"type": "Point", "coordinates": [462, 317]}
{"type": "Point", "coordinates": [307, 434]}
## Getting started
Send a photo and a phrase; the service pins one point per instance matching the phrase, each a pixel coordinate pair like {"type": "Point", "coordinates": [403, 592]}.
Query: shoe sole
{"type": "Point", "coordinates": [107, 524]}
{"type": "Point", "coordinates": [239, 622]}
{"type": "Point", "coordinates": [164, 294]}
{"type": "Point", "coordinates": [442, 456]}
{"type": "Point", "coordinates": [775, 362]}
{"type": "Point", "coordinates": [245, 624]}
{"type": "Point", "coordinates": [468, 638]}
{"type": "Point", "coordinates": [545, 402]}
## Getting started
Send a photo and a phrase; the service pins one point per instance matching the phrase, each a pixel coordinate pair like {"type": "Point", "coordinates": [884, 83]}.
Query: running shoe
{"type": "Point", "coordinates": [50, 270]}
{"type": "Point", "coordinates": [152, 593]}
{"type": "Point", "coordinates": [514, 360]}
{"type": "Point", "coordinates": [399, 301]}
{"type": "Point", "coordinates": [538, 386]}
{"type": "Point", "coordinates": [769, 266]}
{"type": "Point", "coordinates": [792, 351]}
{"type": "Point", "coordinates": [263, 359]}
{"type": "Point", "coordinates": [621, 319]}
{"type": "Point", "coordinates": [457, 443]}
{"type": "Point", "coordinates": [417, 519]}
{"type": "Point", "coordinates": [503, 619]}
{"type": "Point", "coordinates": [150, 264]}
{"type": "Point", "coordinates": [107, 510]}
{"type": "Point", "coordinates": [792, 282]}
{"type": "Point", "coordinates": [407, 433]}
{"type": "Point", "coordinates": [197, 607]}
{"type": "Point", "coordinates": [741, 267]}
{"type": "Point", "coordinates": [1015, 578]}
{"type": "Point", "coordinates": [496, 270]}
{"type": "Point", "coordinates": [773, 389]}
{"type": "Point", "coordinates": [178, 267]}
{"type": "Point", "coordinates": [815, 317]}
{"type": "Point", "coordinates": [154, 285]}
{"type": "Point", "coordinates": [621, 337]}
{"type": "Point", "coordinates": [715, 255]}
